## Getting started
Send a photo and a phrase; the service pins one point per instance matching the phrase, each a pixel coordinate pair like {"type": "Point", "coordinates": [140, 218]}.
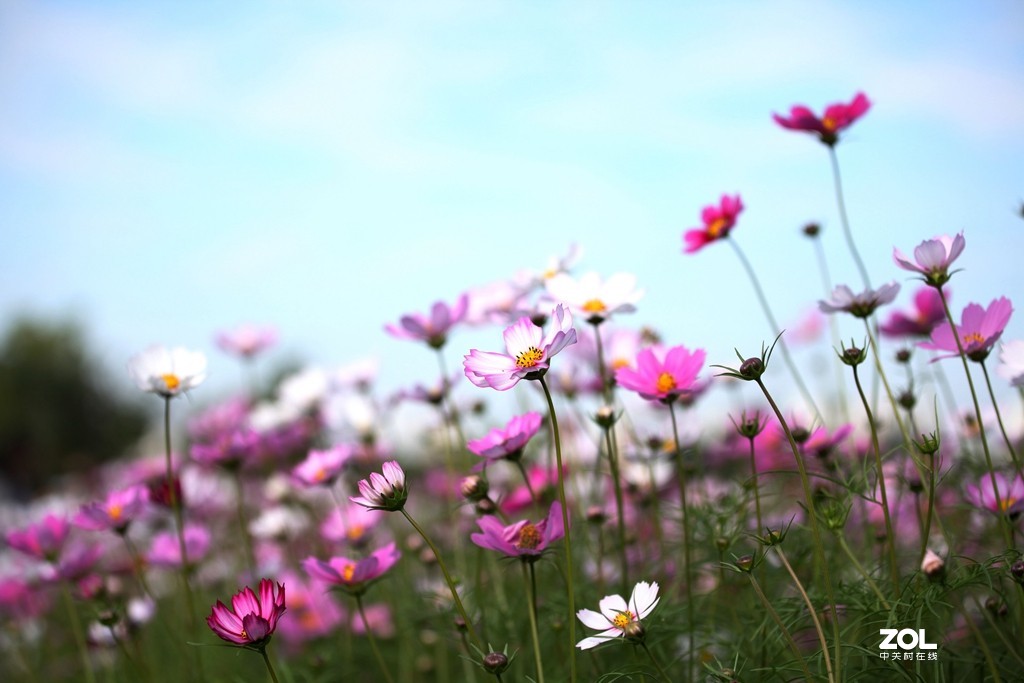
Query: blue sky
{"type": "Point", "coordinates": [168, 169]}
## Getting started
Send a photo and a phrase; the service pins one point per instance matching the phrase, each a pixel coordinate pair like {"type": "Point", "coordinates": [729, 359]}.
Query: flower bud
{"type": "Point", "coordinates": [903, 356]}
{"type": "Point", "coordinates": [853, 355]}
{"type": "Point", "coordinates": [485, 506]}
{"type": "Point", "coordinates": [933, 566]}
{"type": "Point", "coordinates": [929, 443]}
{"type": "Point", "coordinates": [596, 515]}
{"type": "Point", "coordinates": [1017, 571]}
{"type": "Point", "coordinates": [907, 400]}
{"type": "Point", "coordinates": [745, 563]}
{"type": "Point", "coordinates": [752, 368]}
{"type": "Point", "coordinates": [474, 488]}
{"type": "Point", "coordinates": [495, 663]}
{"type": "Point", "coordinates": [800, 434]}
{"type": "Point", "coordinates": [812, 229]}
{"type": "Point", "coordinates": [634, 631]}
{"type": "Point", "coordinates": [605, 417]}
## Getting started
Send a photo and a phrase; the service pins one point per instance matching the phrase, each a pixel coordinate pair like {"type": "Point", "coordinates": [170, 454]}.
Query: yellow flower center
{"type": "Point", "coordinates": [244, 634]}
{"type": "Point", "coordinates": [308, 619]}
{"type": "Point", "coordinates": [620, 363]}
{"type": "Point", "coordinates": [529, 537]}
{"type": "Point", "coordinates": [115, 511]}
{"type": "Point", "coordinates": [171, 381]}
{"type": "Point", "coordinates": [320, 475]}
{"type": "Point", "coordinates": [1006, 503]}
{"type": "Point", "coordinates": [529, 358]}
{"type": "Point", "coordinates": [623, 619]}
{"type": "Point", "coordinates": [549, 273]}
{"type": "Point", "coordinates": [348, 572]}
{"type": "Point", "coordinates": [594, 306]}
{"type": "Point", "coordinates": [665, 383]}
{"type": "Point", "coordinates": [355, 532]}
{"type": "Point", "coordinates": [717, 227]}
{"type": "Point", "coordinates": [974, 337]}
{"type": "Point", "coordinates": [829, 123]}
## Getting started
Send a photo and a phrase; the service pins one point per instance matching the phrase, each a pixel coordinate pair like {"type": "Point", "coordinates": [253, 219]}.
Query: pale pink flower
{"type": "Point", "coordinates": [979, 330]}
{"type": "Point", "coordinates": [617, 617]}
{"type": "Point", "coordinates": [432, 329]}
{"type": "Point", "coordinates": [932, 258]}
{"type": "Point", "coordinates": [246, 341]}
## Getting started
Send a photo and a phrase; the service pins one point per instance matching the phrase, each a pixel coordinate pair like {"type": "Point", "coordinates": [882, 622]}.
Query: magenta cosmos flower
{"type": "Point", "coordinates": [979, 330]}
{"type": "Point", "coordinates": [509, 441]}
{"type": "Point", "coordinates": [837, 118]}
{"type": "Point", "coordinates": [42, 541]}
{"type": "Point", "coordinates": [662, 374]}
{"type": "Point", "coordinates": [919, 322]}
{"type": "Point", "coordinates": [321, 468]}
{"type": "Point", "coordinates": [252, 618]}
{"type": "Point", "coordinates": [1010, 500]}
{"type": "Point", "coordinates": [353, 576]}
{"type": "Point", "coordinates": [383, 491]}
{"type": "Point", "coordinates": [524, 539]}
{"type": "Point", "coordinates": [116, 512]}
{"type": "Point", "coordinates": [617, 618]}
{"type": "Point", "coordinates": [718, 221]}
{"type": "Point", "coordinates": [932, 258]}
{"type": "Point", "coordinates": [859, 305]}
{"type": "Point", "coordinates": [433, 329]}
{"type": "Point", "coordinates": [247, 341]}
{"type": "Point", "coordinates": [528, 352]}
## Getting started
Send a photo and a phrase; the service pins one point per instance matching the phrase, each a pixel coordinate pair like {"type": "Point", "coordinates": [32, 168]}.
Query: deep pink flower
{"type": "Point", "coordinates": [246, 341]}
{"type": "Point", "coordinates": [524, 539]}
{"type": "Point", "coordinates": [42, 541]}
{"type": "Point", "coordinates": [927, 313]}
{"type": "Point", "coordinates": [434, 329]}
{"type": "Point", "coordinates": [353, 576]}
{"type": "Point", "coordinates": [1011, 494]}
{"type": "Point", "coordinates": [662, 374]}
{"type": "Point", "coordinates": [252, 618]}
{"type": "Point", "coordinates": [932, 258]}
{"type": "Point", "coordinates": [718, 221]}
{"type": "Point", "coordinates": [837, 118]}
{"type": "Point", "coordinates": [383, 491]}
{"type": "Point", "coordinates": [859, 305]}
{"type": "Point", "coordinates": [321, 468]}
{"type": "Point", "coordinates": [116, 512]}
{"type": "Point", "coordinates": [821, 443]}
{"type": "Point", "coordinates": [542, 480]}
{"type": "Point", "coordinates": [979, 330]}
{"type": "Point", "coordinates": [507, 442]}
{"type": "Point", "coordinates": [529, 352]}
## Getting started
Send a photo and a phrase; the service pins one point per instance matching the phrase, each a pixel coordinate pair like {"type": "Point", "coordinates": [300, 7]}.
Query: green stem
{"type": "Point", "coordinates": [448, 579]}
{"type": "Point", "coordinates": [613, 462]}
{"type": "Point", "coordinates": [782, 627]}
{"type": "Point", "coordinates": [179, 518]}
{"type": "Point", "coordinates": [776, 330]}
{"type": "Point", "coordinates": [819, 551]}
{"type": "Point", "coordinates": [841, 202]}
{"type": "Point", "coordinates": [655, 662]}
{"type": "Point", "coordinates": [687, 540]}
{"type": "Point", "coordinates": [757, 494]}
{"type": "Point", "coordinates": [890, 539]}
{"type": "Point", "coordinates": [373, 641]}
{"type": "Point", "coordinates": [860, 569]}
{"type": "Point", "coordinates": [243, 527]}
{"type": "Point", "coordinates": [999, 419]}
{"type": "Point", "coordinates": [77, 632]}
{"type": "Point", "coordinates": [531, 590]}
{"type": "Point", "coordinates": [833, 324]}
{"type": "Point", "coordinates": [565, 523]}
{"type": "Point", "coordinates": [811, 609]}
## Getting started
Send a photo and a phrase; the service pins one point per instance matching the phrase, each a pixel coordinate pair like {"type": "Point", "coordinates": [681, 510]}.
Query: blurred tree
{"type": "Point", "coordinates": [57, 413]}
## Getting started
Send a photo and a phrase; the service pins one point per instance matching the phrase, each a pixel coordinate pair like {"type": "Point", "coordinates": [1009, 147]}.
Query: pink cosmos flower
{"type": "Point", "coordinates": [166, 552]}
{"type": "Point", "coordinates": [116, 512]}
{"type": "Point", "coordinates": [594, 298]}
{"type": "Point", "coordinates": [433, 330]}
{"type": "Point", "coordinates": [932, 258]}
{"type": "Point", "coordinates": [524, 539]}
{"type": "Point", "coordinates": [821, 443]}
{"type": "Point", "coordinates": [252, 619]}
{"type": "Point", "coordinates": [859, 305]}
{"type": "Point", "coordinates": [837, 118]}
{"type": "Point", "coordinates": [718, 221]}
{"type": "Point", "coordinates": [617, 618]}
{"type": "Point", "coordinates": [662, 374]}
{"type": "Point", "coordinates": [529, 352]}
{"type": "Point", "coordinates": [353, 576]}
{"type": "Point", "coordinates": [1011, 494]}
{"type": "Point", "coordinates": [979, 330]}
{"type": "Point", "coordinates": [383, 491]}
{"type": "Point", "coordinates": [353, 525]}
{"type": "Point", "coordinates": [42, 541]}
{"type": "Point", "coordinates": [311, 613]}
{"type": "Point", "coordinates": [542, 480]}
{"type": "Point", "coordinates": [509, 441]}
{"type": "Point", "coordinates": [321, 468]}
{"type": "Point", "coordinates": [380, 620]}
{"type": "Point", "coordinates": [246, 341]}
{"type": "Point", "coordinates": [927, 313]}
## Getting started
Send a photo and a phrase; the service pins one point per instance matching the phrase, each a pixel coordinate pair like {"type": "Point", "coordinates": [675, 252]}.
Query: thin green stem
{"type": "Point", "coordinates": [270, 667]}
{"type": "Point", "coordinates": [654, 661]}
{"type": "Point", "coordinates": [179, 517]}
{"type": "Point", "coordinates": [243, 526]}
{"type": "Point", "coordinates": [819, 550]}
{"type": "Point", "coordinates": [757, 493]}
{"type": "Point", "coordinates": [526, 480]}
{"type": "Point", "coordinates": [999, 419]}
{"type": "Point", "coordinates": [833, 324]}
{"type": "Point", "coordinates": [448, 579]}
{"type": "Point", "coordinates": [776, 330]}
{"type": "Point", "coordinates": [782, 627]}
{"type": "Point", "coordinates": [565, 523]}
{"type": "Point", "coordinates": [77, 632]}
{"type": "Point", "coordinates": [860, 569]}
{"type": "Point", "coordinates": [373, 641]}
{"type": "Point", "coordinates": [613, 462]}
{"type": "Point", "coordinates": [843, 219]}
{"type": "Point", "coordinates": [687, 538]}
{"type": "Point", "coordinates": [890, 539]}
{"type": "Point", "coordinates": [531, 590]}
{"type": "Point", "coordinates": [811, 609]}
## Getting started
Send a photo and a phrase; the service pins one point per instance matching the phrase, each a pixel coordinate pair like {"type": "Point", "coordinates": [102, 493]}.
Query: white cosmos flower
{"type": "Point", "coordinates": [616, 616]}
{"type": "Point", "coordinates": [167, 372]}
{"type": "Point", "coordinates": [596, 299]}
